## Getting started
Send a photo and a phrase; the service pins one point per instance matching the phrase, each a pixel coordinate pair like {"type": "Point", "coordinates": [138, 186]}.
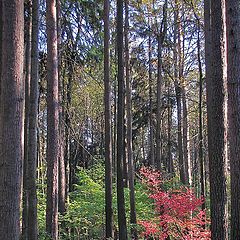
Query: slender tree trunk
{"type": "Point", "coordinates": [52, 122]}
{"type": "Point", "coordinates": [120, 113]}
{"type": "Point", "coordinates": [159, 102]}
{"type": "Point", "coordinates": [160, 40]}
{"type": "Point", "coordinates": [62, 168]}
{"type": "Point", "coordinates": [151, 140]}
{"type": "Point", "coordinates": [169, 133]}
{"type": "Point", "coordinates": [233, 56]}
{"type": "Point", "coordinates": [11, 122]}
{"type": "Point", "coordinates": [108, 132]}
{"type": "Point", "coordinates": [178, 89]}
{"type": "Point", "coordinates": [131, 172]}
{"type": "Point", "coordinates": [32, 139]}
{"type": "Point", "coordinates": [27, 76]}
{"type": "Point", "coordinates": [216, 89]}
{"type": "Point", "coordinates": [200, 133]}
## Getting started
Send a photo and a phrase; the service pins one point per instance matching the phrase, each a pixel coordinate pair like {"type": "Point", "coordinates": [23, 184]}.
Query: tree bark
{"type": "Point", "coordinates": [233, 83]}
{"type": "Point", "coordinates": [131, 172]}
{"type": "Point", "coordinates": [52, 122]}
{"type": "Point", "coordinates": [11, 122]}
{"type": "Point", "coordinates": [108, 130]}
{"type": "Point", "coordinates": [120, 113]}
{"type": "Point", "coordinates": [32, 138]}
{"type": "Point", "coordinates": [216, 89]}
{"type": "Point", "coordinates": [62, 168]}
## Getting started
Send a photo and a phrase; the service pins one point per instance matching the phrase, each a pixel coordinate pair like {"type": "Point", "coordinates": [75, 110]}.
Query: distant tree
{"type": "Point", "coordinates": [52, 122]}
{"type": "Point", "coordinates": [11, 117]}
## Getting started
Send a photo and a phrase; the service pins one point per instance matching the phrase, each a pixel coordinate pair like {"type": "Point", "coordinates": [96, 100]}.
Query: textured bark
{"type": "Point", "coordinates": [11, 113]}
{"type": "Point", "coordinates": [131, 172]}
{"type": "Point", "coordinates": [27, 76]}
{"type": "Point", "coordinates": [0, 43]}
{"type": "Point", "coordinates": [32, 138]}
{"type": "Point", "coordinates": [52, 122]}
{"type": "Point", "coordinates": [62, 168]}
{"type": "Point", "coordinates": [108, 130]}
{"type": "Point", "coordinates": [217, 121]}
{"type": "Point", "coordinates": [120, 117]}
{"type": "Point", "coordinates": [233, 82]}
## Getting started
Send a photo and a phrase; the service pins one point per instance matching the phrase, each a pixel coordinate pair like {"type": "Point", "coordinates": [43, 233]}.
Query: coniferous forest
{"type": "Point", "coordinates": [119, 119]}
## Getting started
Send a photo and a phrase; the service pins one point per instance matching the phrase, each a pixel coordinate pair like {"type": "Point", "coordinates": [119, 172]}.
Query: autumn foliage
{"type": "Point", "coordinates": [178, 213]}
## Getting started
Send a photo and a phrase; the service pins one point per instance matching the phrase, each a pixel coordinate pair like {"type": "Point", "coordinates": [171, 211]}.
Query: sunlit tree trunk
{"type": "Point", "coordinates": [178, 91]}
{"type": "Point", "coordinates": [52, 122]}
{"type": "Point", "coordinates": [216, 91]}
{"type": "Point", "coordinates": [62, 168]}
{"type": "Point", "coordinates": [11, 118]}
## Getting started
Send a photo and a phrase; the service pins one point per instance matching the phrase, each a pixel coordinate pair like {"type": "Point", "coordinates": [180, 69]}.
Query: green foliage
{"type": "Point", "coordinates": [85, 215]}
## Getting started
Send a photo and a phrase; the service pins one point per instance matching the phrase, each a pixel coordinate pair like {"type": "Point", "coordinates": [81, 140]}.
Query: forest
{"type": "Point", "coordinates": [119, 119]}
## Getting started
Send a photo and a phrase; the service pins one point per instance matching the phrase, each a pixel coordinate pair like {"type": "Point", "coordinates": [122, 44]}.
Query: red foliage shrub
{"type": "Point", "coordinates": [178, 212]}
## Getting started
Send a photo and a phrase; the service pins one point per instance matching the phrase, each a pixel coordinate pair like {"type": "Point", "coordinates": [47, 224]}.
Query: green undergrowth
{"type": "Point", "coordinates": [85, 215]}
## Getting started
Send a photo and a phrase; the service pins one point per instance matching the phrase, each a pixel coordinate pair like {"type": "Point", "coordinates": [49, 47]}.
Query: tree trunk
{"type": "Point", "coordinates": [108, 130]}
{"type": "Point", "coordinates": [200, 105]}
{"type": "Point", "coordinates": [178, 88]}
{"type": "Point", "coordinates": [52, 122]}
{"type": "Point", "coordinates": [11, 122]}
{"type": "Point", "coordinates": [120, 113]}
{"type": "Point", "coordinates": [32, 138]}
{"type": "Point", "coordinates": [169, 133]}
{"type": "Point", "coordinates": [217, 120]}
{"type": "Point", "coordinates": [27, 76]}
{"type": "Point", "coordinates": [131, 172]}
{"type": "Point", "coordinates": [62, 168]}
{"type": "Point", "coordinates": [160, 40]}
{"type": "Point", "coordinates": [233, 82]}
{"type": "Point", "coordinates": [151, 140]}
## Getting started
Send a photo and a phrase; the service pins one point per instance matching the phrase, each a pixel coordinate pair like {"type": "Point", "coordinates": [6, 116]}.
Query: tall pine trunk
{"type": "Point", "coordinates": [131, 172]}
{"type": "Point", "coordinates": [52, 122]}
{"type": "Point", "coordinates": [233, 82]}
{"type": "Point", "coordinates": [216, 90]}
{"type": "Point", "coordinates": [11, 122]}
{"type": "Point", "coordinates": [120, 128]}
{"type": "Point", "coordinates": [108, 130]}
{"type": "Point", "coordinates": [32, 138]}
